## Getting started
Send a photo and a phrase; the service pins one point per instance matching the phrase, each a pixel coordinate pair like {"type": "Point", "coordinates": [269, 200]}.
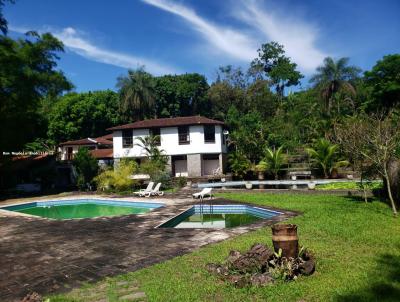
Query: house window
{"type": "Point", "coordinates": [127, 138]}
{"type": "Point", "coordinates": [70, 154]}
{"type": "Point", "coordinates": [184, 136]}
{"type": "Point", "coordinates": [209, 133]}
{"type": "Point", "coordinates": [157, 134]}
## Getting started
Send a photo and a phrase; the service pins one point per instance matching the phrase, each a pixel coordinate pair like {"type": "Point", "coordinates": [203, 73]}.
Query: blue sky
{"type": "Point", "coordinates": [104, 38]}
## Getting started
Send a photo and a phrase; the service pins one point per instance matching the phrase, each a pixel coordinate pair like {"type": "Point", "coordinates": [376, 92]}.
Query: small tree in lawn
{"type": "Point", "coordinates": [375, 140]}
{"type": "Point", "coordinates": [86, 167]}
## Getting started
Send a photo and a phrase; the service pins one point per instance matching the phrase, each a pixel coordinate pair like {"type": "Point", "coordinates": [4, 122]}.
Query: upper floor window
{"type": "Point", "coordinates": [209, 133]}
{"type": "Point", "coordinates": [127, 138]}
{"type": "Point", "coordinates": [156, 133]}
{"type": "Point", "coordinates": [183, 134]}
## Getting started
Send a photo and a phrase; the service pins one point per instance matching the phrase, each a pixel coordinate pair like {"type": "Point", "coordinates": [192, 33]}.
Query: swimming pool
{"type": "Point", "coordinates": [219, 216]}
{"type": "Point", "coordinates": [82, 208]}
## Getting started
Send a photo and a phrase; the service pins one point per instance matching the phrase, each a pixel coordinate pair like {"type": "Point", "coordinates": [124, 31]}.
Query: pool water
{"type": "Point", "coordinates": [217, 221]}
{"type": "Point", "coordinates": [219, 216]}
{"type": "Point", "coordinates": [74, 209]}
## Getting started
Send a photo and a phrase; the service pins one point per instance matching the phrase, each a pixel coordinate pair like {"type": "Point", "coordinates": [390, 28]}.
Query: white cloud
{"type": "Point", "coordinates": [226, 40]}
{"type": "Point", "coordinates": [76, 42]}
{"type": "Point", "coordinates": [298, 36]}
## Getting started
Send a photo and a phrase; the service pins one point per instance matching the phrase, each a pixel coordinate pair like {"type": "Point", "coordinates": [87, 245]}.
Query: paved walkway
{"type": "Point", "coordinates": [49, 256]}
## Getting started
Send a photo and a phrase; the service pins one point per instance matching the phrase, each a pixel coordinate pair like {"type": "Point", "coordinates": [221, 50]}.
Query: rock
{"type": "Point", "coordinates": [307, 267]}
{"type": "Point", "coordinates": [245, 264]}
{"type": "Point", "coordinates": [32, 297]}
{"type": "Point", "coordinates": [261, 253]}
{"type": "Point", "coordinates": [233, 256]}
{"type": "Point", "coordinates": [261, 279]}
{"type": "Point", "coordinates": [217, 269]}
{"type": "Point", "coordinates": [238, 281]}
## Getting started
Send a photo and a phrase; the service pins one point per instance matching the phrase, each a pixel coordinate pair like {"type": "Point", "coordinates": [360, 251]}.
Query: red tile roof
{"type": "Point", "coordinates": [169, 122]}
{"type": "Point", "coordinates": [102, 153]}
{"type": "Point", "coordinates": [89, 141]}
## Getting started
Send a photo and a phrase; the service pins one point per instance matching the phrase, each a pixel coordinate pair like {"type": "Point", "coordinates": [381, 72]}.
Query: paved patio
{"type": "Point", "coordinates": [49, 256]}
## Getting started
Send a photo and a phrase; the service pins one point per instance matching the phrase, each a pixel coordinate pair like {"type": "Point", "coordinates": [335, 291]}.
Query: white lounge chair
{"type": "Point", "coordinates": [155, 191]}
{"type": "Point", "coordinates": [141, 192]}
{"type": "Point", "coordinates": [203, 193]}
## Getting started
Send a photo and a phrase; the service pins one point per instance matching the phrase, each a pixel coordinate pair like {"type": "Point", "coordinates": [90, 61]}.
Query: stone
{"type": "Point", "coordinates": [262, 253]}
{"type": "Point", "coordinates": [307, 267]}
{"type": "Point", "coordinates": [233, 256]}
{"type": "Point", "coordinates": [133, 296]}
{"type": "Point", "coordinates": [261, 279]}
{"type": "Point", "coordinates": [238, 281]}
{"type": "Point", "coordinates": [245, 264]}
{"type": "Point", "coordinates": [32, 297]}
{"type": "Point", "coordinates": [217, 269]}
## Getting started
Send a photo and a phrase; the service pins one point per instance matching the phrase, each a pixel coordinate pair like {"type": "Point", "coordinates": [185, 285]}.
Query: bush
{"type": "Point", "coordinates": [86, 167]}
{"type": "Point", "coordinates": [118, 179]}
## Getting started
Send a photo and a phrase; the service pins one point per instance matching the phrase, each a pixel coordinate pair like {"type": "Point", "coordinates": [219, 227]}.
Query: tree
{"type": "Point", "coordinates": [325, 155]}
{"type": "Point", "coordinates": [239, 164]}
{"type": "Point", "coordinates": [150, 144]}
{"type": "Point", "coordinates": [86, 167]}
{"type": "Point", "coordinates": [78, 115]}
{"type": "Point", "coordinates": [181, 95]}
{"type": "Point", "coordinates": [375, 140]}
{"type": "Point", "coordinates": [384, 81]}
{"type": "Point", "coordinates": [277, 67]}
{"type": "Point", "coordinates": [137, 94]}
{"type": "Point", "coordinates": [333, 77]}
{"type": "Point", "coordinates": [28, 74]}
{"type": "Point", "coordinates": [247, 133]}
{"type": "Point", "coordinates": [274, 159]}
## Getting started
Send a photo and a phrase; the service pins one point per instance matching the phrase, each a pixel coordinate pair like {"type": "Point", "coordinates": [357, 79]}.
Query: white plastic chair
{"type": "Point", "coordinates": [203, 193]}
{"type": "Point", "coordinates": [155, 191]}
{"type": "Point", "coordinates": [149, 188]}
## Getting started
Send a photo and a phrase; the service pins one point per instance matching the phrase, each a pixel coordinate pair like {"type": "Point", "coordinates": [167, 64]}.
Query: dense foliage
{"type": "Point", "coordinates": [86, 167]}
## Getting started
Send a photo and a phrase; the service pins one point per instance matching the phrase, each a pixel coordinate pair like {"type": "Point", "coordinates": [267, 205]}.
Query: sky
{"type": "Point", "coordinates": [103, 39]}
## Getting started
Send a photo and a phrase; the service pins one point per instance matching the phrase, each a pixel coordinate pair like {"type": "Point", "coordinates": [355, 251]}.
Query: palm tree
{"type": "Point", "coordinates": [274, 159]}
{"type": "Point", "coordinates": [150, 145]}
{"type": "Point", "coordinates": [137, 93]}
{"type": "Point", "coordinates": [333, 77]}
{"type": "Point", "coordinates": [325, 156]}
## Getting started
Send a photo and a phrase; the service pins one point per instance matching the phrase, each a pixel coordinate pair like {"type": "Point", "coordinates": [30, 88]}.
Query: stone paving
{"type": "Point", "coordinates": [51, 256]}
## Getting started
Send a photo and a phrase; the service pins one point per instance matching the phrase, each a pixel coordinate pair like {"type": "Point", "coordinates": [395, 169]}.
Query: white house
{"type": "Point", "coordinates": [195, 145]}
{"type": "Point", "coordinates": [100, 147]}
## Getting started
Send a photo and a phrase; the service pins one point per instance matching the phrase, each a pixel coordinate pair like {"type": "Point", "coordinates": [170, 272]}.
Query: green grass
{"type": "Point", "coordinates": [357, 246]}
{"type": "Point", "coordinates": [348, 185]}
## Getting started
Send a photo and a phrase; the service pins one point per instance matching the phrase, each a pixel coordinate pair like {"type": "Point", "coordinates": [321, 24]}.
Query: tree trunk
{"type": "Point", "coordinates": [389, 190]}
{"type": "Point", "coordinates": [394, 175]}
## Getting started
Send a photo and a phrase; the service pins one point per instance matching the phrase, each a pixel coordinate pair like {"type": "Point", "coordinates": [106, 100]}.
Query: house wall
{"type": "Point", "coordinates": [75, 148]}
{"type": "Point", "coordinates": [170, 142]}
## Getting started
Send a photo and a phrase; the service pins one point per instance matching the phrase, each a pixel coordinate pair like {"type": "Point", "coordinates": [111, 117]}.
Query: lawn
{"type": "Point", "coordinates": [357, 246]}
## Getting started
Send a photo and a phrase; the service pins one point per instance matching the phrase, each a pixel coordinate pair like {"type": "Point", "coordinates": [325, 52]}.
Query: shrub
{"type": "Point", "coordinates": [86, 167]}
{"type": "Point", "coordinates": [118, 179]}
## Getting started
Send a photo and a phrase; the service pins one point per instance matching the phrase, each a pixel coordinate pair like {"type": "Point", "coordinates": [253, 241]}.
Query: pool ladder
{"type": "Point", "coordinates": [202, 204]}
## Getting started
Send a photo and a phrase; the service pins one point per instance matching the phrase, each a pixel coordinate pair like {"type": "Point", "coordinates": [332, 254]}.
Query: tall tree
{"type": "Point", "coordinates": [181, 95]}
{"type": "Point", "coordinates": [278, 68]}
{"type": "Point", "coordinates": [333, 77]}
{"type": "Point", "coordinates": [28, 74]}
{"type": "Point", "coordinates": [88, 114]}
{"type": "Point", "coordinates": [137, 93]}
{"type": "Point", "coordinates": [384, 80]}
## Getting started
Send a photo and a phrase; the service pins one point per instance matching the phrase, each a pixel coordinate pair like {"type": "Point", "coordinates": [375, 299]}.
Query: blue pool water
{"type": "Point", "coordinates": [219, 216]}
